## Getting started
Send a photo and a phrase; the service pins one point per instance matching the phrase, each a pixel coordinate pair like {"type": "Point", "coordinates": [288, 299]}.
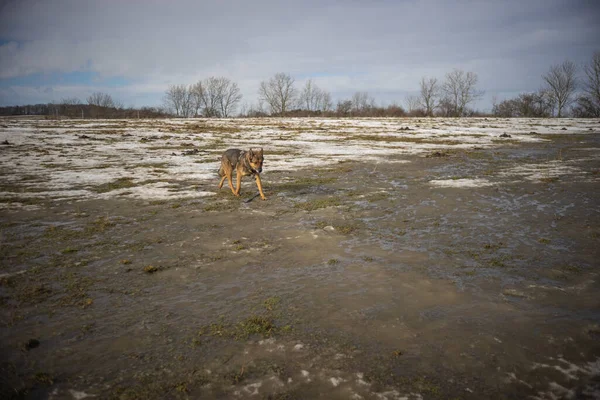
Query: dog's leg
{"type": "Point", "coordinates": [259, 184]}
{"type": "Point", "coordinates": [229, 174]}
{"type": "Point", "coordinates": [222, 180]}
{"type": "Point", "coordinates": [238, 184]}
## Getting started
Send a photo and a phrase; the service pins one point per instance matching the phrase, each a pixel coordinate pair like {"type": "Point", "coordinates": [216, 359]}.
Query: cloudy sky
{"type": "Point", "coordinates": [134, 49]}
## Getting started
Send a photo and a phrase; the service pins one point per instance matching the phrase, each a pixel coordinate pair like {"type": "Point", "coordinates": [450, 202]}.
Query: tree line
{"type": "Point", "coordinates": [563, 93]}
{"type": "Point", "coordinates": [97, 105]}
{"type": "Point", "coordinates": [210, 98]}
{"type": "Point", "coordinates": [279, 96]}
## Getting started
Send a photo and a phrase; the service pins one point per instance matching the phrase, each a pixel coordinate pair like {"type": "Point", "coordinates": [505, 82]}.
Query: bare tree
{"type": "Point", "coordinates": [309, 96]}
{"type": "Point", "coordinates": [326, 103]}
{"type": "Point", "coordinates": [446, 108]}
{"type": "Point", "coordinates": [215, 97]}
{"type": "Point", "coordinates": [278, 93]}
{"type": "Point", "coordinates": [100, 99]}
{"type": "Point", "coordinates": [459, 91]}
{"type": "Point", "coordinates": [175, 99]}
{"type": "Point", "coordinates": [588, 104]}
{"type": "Point", "coordinates": [545, 102]}
{"type": "Point", "coordinates": [562, 83]}
{"type": "Point", "coordinates": [187, 105]}
{"type": "Point", "coordinates": [230, 97]}
{"type": "Point", "coordinates": [197, 97]}
{"type": "Point", "coordinates": [312, 98]}
{"type": "Point", "coordinates": [429, 95]}
{"type": "Point", "coordinates": [102, 105]}
{"type": "Point", "coordinates": [70, 101]}
{"type": "Point", "coordinates": [344, 107]}
{"type": "Point", "coordinates": [412, 103]}
{"type": "Point", "coordinates": [361, 102]}
{"type": "Point", "coordinates": [211, 97]}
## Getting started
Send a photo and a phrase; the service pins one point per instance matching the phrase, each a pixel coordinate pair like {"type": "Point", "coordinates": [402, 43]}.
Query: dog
{"type": "Point", "coordinates": [244, 163]}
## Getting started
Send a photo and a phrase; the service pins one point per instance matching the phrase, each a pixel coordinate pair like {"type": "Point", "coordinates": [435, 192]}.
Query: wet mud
{"type": "Point", "coordinates": [451, 272]}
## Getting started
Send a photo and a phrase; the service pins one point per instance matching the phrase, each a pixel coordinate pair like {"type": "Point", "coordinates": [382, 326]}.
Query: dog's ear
{"type": "Point", "coordinates": [260, 151]}
{"type": "Point", "coordinates": [250, 152]}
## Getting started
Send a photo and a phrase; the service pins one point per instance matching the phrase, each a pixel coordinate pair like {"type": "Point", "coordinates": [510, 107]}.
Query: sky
{"type": "Point", "coordinates": [133, 49]}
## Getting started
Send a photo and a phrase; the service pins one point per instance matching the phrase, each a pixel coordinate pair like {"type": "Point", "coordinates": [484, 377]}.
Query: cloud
{"type": "Point", "coordinates": [383, 47]}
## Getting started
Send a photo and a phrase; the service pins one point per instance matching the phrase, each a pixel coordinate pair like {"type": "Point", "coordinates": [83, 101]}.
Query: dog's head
{"type": "Point", "coordinates": [255, 158]}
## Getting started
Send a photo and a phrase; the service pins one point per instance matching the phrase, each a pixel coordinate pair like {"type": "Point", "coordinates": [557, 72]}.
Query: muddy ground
{"type": "Point", "coordinates": [355, 279]}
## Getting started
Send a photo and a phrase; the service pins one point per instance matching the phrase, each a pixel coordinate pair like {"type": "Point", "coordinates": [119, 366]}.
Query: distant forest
{"type": "Point", "coordinates": [83, 111]}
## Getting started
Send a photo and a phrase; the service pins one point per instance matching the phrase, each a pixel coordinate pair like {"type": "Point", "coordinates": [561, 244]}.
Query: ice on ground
{"type": "Point", "coordinates": [461, 183]}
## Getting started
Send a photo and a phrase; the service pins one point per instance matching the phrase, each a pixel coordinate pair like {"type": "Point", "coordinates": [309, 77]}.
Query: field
{"type": "Point", "coordinates": [393, 259]}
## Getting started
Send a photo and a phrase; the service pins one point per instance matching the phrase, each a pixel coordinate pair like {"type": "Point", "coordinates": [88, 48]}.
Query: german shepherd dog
{"type": "Point", "coordinates": [244, 163]}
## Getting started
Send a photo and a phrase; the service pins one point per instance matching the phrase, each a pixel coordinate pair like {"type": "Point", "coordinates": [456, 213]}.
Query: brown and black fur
{"type": "Point", "coordinates": [244, 163]}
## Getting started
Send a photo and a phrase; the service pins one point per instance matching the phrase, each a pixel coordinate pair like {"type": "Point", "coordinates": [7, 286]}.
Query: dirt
{"type": "Point", "coordinates": [354, 279]}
